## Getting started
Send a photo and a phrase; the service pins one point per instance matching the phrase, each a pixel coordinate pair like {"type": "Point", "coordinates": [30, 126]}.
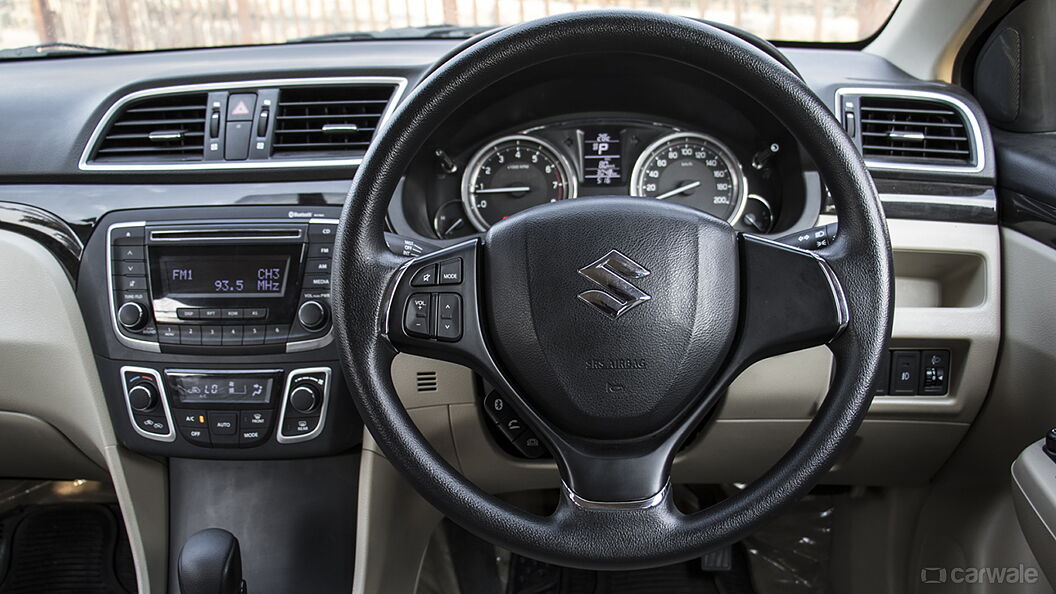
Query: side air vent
{"type": "Point", "coordinates": [912, 130]}
{"type": "Point", "coordinates": [427, 381]}
{"type": "Point", "coordinates": [167, 128]}
{"type": "Point", "coordinates": [328, 121]}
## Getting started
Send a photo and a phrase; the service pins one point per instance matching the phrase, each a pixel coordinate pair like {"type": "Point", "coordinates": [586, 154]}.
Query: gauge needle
{"type": "Point", "coordinates": [678, 190]}
{"type": "Point", "coordinates": [453, 227]}
{"type": "Point", "coordinates": [507, 190]}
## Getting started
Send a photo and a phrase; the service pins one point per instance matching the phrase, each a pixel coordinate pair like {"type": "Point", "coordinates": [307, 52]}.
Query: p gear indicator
{"type": "Point", "coordinates": [602, 156]}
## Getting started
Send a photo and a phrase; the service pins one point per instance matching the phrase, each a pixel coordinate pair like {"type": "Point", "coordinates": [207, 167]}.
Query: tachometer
{"type": "Point", "coordinates": [511, 174]}
{"type": "Point", "coordinates": [691, 169]}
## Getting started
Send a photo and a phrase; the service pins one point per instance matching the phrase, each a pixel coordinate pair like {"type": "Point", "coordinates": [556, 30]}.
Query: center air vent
{"type": "Point", "coordinates": [166, 128]}
{"type": "Point", "coordinates": [328, 120]}
{"type": "Point", "coordinates": [913, 130]}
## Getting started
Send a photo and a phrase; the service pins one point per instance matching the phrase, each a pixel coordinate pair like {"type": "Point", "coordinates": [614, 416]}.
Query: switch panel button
{"type": "Point", "coordinates": [905, 372]}
{"type": "Point", "coordinates": [935, 372]}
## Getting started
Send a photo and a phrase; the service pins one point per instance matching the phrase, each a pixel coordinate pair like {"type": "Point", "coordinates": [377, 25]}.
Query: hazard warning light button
{"type": "Point", "coordinates": [240, 106]}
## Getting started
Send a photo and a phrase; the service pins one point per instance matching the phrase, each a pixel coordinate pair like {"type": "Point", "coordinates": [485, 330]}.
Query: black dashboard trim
{"type": "Point", "coordinates": [47, 229]}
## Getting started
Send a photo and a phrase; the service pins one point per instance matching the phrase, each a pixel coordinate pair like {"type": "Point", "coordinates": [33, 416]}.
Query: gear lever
{"type": "Point", "coordinates": [211, 563]}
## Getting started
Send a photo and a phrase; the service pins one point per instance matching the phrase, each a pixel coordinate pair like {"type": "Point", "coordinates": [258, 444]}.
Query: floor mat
{"type": "Point", "coordinates": [65, 548]}
{"type": "Point", "coordinates": [528, 576]}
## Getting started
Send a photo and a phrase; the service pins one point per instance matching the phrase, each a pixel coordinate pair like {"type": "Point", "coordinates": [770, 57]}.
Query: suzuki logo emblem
{"type": "Point", "coordinates": [618, 295]}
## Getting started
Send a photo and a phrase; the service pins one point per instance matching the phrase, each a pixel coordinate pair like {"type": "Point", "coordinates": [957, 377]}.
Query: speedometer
{"type": "Point", "coordinates": [691, 169]}
{"type": "Point", "coordinates": [511, 174]}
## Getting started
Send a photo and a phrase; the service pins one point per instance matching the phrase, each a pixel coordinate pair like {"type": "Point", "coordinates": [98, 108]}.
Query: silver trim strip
{"type": "Point", "coordinates": [292, 234]}
{"type": "Point", "coordinates": [171, 435]}
{"type": "Point", "coordinates": [399, 82]}
{"type": "Point", "coordinates": [285, 399]}
{"type": "Point", "coordinates": [975, 136]}
{"type": "Point", "coordinates": [646, 503]}
{"type": "Point", "coordinates": [133, 343]}
{"type": "Point", "coordinates": [987, 200]}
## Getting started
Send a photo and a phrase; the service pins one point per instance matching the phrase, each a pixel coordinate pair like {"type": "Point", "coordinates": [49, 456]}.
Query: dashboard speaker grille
{"type": "Point", "coordinates": [914, 130]}
{"type": "Point", "coordinates": [427, 381]}
{"type": "Point", "coordinates": [332, 120]}
{"type": "Point", "coordinates": [167, 128]}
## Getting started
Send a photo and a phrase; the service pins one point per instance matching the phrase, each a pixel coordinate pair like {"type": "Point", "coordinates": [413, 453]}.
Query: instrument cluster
{"type": "Point", "coordinates": [564, 160]}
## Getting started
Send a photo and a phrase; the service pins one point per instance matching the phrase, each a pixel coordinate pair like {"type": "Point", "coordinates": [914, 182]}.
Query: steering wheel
{"type": "Point", "coordinates": [612, 326]}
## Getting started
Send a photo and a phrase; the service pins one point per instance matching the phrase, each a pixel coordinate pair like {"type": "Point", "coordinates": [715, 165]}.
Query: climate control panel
{"type": "Point", "coordinates": [235, 408]}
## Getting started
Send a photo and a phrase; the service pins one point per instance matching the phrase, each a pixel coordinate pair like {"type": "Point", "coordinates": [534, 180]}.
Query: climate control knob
{"type": "Point", "coordinates": [142, 397]}
{"type": "Point", "coordinates": [304, 399]}
{"type": "Point", "coordinates": [312, 315]}
{"type": "Point", "coordinates": [132, 315]}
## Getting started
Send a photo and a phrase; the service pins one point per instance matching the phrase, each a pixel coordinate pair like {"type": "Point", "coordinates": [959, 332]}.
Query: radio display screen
{"type": "Point", "coordinates": [224, 276]}
{"type": "Point", "coordinates": [215, 389]}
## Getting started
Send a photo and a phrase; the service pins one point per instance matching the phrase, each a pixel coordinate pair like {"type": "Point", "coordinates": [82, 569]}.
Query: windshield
{"type": "Point", "coordinates": [93, 26]}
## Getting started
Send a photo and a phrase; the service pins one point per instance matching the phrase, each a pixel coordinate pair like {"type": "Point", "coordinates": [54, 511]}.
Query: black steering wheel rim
{"type": "Point", "coordinates": [611, 536]}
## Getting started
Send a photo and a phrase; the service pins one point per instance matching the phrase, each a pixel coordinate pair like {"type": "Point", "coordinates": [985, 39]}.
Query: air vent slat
{"type": "Point", "coordinates": [331, 120]}
{"type": "Point", "coordinates": [167, 122]}
{"type": "Point", "coordinates": [167, 128]}
{"type": "Point", "coordinates": [914, 130]}
{"type": "Point", "coordinates": [337, 102]}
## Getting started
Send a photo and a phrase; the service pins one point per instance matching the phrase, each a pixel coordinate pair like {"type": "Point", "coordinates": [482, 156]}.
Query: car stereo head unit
{"type": "Point", "coordinates": [221, 287]}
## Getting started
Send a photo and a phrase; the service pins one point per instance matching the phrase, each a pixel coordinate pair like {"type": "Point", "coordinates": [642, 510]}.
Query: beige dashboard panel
{"type": "Point", "coordinates": [49, 375]}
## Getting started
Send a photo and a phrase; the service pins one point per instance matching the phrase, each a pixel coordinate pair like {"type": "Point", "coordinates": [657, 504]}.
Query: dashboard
{"type": "Point", "coordinates": [207, 327]}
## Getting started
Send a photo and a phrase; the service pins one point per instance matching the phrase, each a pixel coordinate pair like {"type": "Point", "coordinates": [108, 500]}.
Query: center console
{"type": "Point", "coordinates": [212, 331]}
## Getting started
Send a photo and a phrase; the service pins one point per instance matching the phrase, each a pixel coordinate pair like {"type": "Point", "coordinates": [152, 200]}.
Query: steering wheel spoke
{"type": "Point", "coordinates": [433, 307]}
{"type": "Point", "coordinates": [792, 300]}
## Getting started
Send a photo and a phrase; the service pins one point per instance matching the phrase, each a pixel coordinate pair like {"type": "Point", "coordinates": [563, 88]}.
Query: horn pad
{"type": "Point", "coordinates": [611, 315]}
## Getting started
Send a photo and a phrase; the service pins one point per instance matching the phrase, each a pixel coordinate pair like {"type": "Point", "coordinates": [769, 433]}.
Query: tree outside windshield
{"type": "Point", "coordinates": [163, 24]}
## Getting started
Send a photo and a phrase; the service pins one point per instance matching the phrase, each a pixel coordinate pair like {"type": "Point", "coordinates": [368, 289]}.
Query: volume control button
{"type": "Point", "coordinates": [131, 315]}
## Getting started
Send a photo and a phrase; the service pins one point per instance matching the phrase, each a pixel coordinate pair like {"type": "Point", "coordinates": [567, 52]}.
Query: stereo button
{"type": "Point", "coordinates": [128, 236]}
{"type": "Point", "coordinates": [131, 268]}
{"type": "Point", "coordinates": [321, 232]}
{"type": "Point", "coordinates": [232, 336]}
{"type": "Point", "coordinates": [256, 313]}
{"type": "Point", "coordinates": [318, 266]}
{"type": "Point", "coordinates": [168, 334]}
{"type": "Point", "coordinates": [132, 283]}
{"type": "Point", "coordinates": [232, 314]}
{"type": "Point", "coordinates": [253, 335]}
{"type": "Point", "coordinates": [317, 281]}
{"type": "Point", "coordinates": [188, 313]}
{"type": "Point", "coordinates": [191, 335]}
{"type": "Point", "coordinates": [277, 333]}
{"type": "Point", "coordinates": [320, 250]}
{"type": "Point", "coordinates": [210, 314]}
{"type": "Point", "coordinates": [128, 252]}
{"type": "Point", "coordinates": [212, 335]}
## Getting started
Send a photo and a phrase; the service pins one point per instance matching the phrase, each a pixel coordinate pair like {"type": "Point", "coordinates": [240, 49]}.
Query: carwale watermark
{"type": "Point", "coordinates": [1019, 574]}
